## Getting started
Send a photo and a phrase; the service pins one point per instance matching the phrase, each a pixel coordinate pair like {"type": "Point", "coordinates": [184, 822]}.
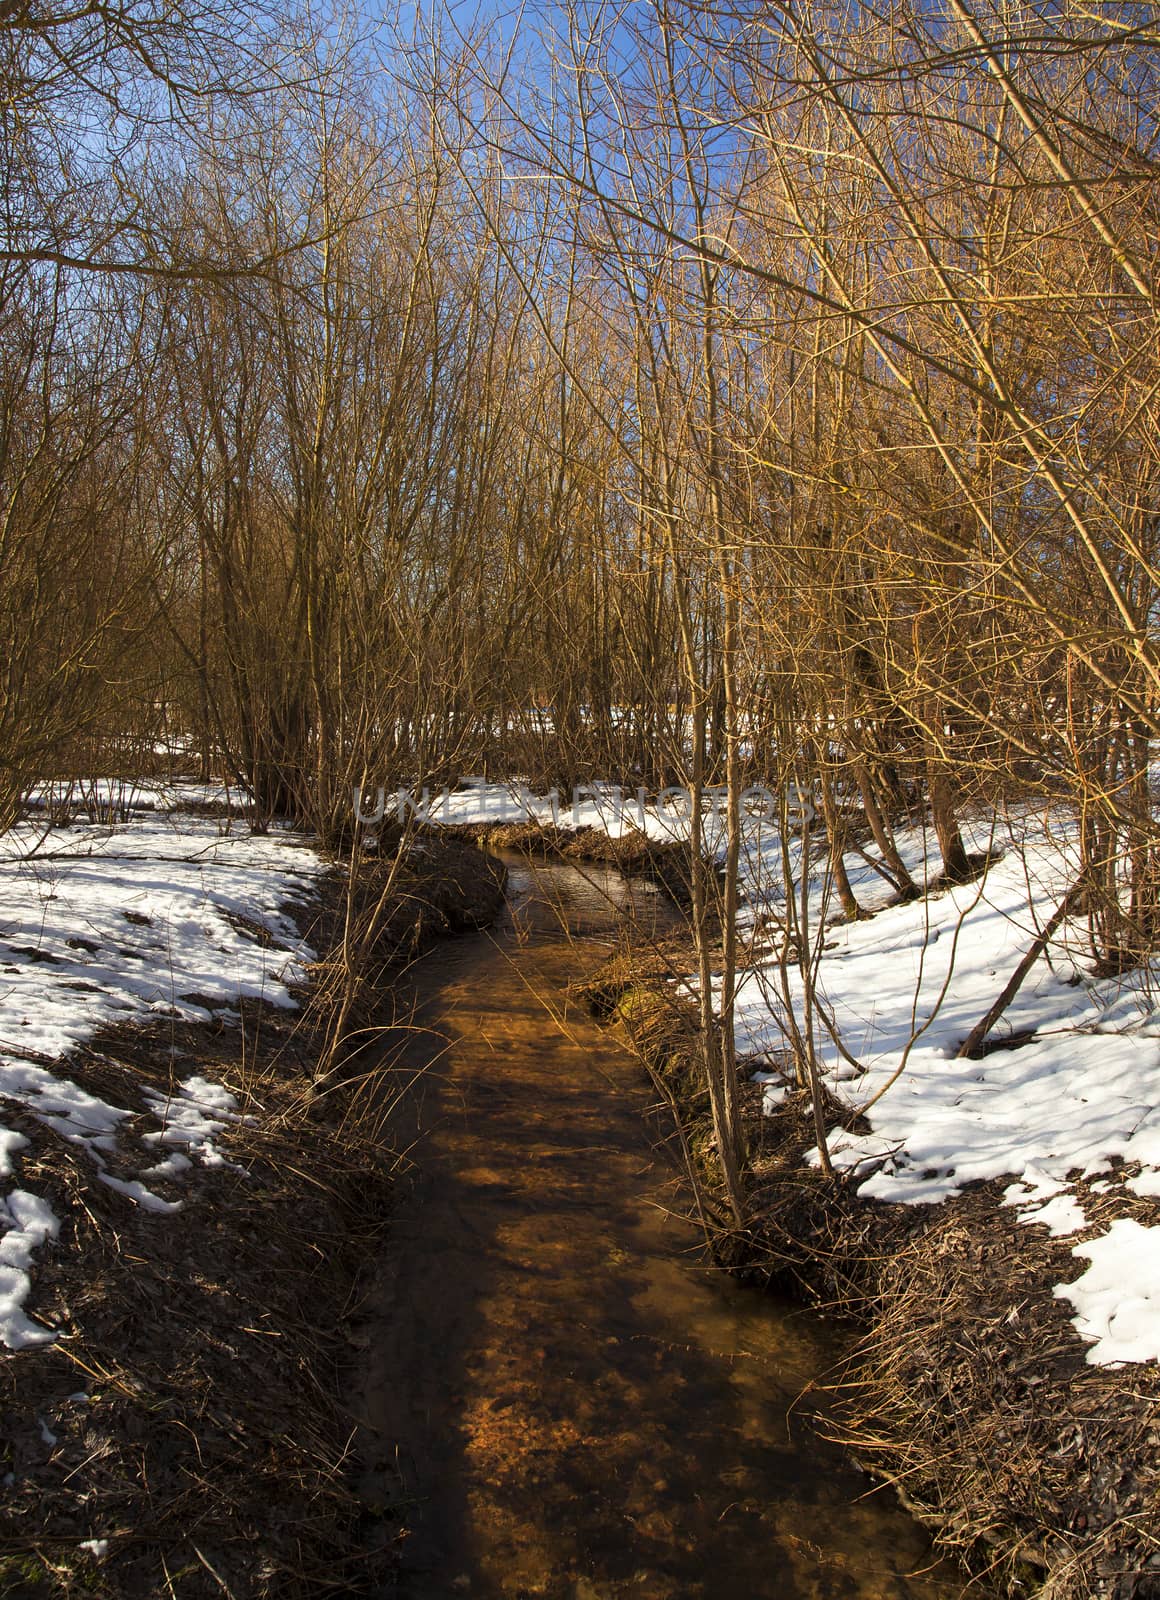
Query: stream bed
{"type": "Point", "coordinates": [568, 1401]}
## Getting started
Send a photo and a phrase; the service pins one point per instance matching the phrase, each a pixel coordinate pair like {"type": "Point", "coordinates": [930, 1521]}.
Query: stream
{"type": "Point", "coordinates": [568, 1402]}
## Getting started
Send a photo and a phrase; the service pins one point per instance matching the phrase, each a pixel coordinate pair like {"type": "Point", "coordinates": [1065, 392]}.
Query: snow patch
{"type": "Point", "coordinates": [1061, 1216]}
{"type": "Point", "coordinates": [27, 1221]}
{"type": "Point", "coordinates": [106, 924]}
{"type": "Point", "coordinates": [1117, 1300]}
{"type": "Point", "coordinates": [189, 1120]}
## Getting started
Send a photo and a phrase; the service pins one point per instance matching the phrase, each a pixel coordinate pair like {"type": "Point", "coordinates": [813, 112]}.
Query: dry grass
{"type": "Point", "coordinates": [210, 1449]}
{"type": "Point", "coordinates": [971, 1391]}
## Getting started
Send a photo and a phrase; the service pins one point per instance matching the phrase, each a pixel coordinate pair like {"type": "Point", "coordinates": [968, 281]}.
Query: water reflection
{"type": "Point", "coordinates": [586, 901]}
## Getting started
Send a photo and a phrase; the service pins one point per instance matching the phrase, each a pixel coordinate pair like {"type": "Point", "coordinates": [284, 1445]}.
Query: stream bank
{"type": "Point", "coordinates": [968, 1388]}
{"type": "Point", "coordinates": [184, 1434]}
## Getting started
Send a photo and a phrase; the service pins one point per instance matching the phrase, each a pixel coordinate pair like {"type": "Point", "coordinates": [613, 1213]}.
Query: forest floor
{"type": "Point", "coordinates": [994, 1223]}
{"type": "Point", "coordinates": [187, 1220]}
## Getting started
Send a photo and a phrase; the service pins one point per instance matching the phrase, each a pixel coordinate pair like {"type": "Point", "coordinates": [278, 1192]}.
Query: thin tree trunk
{"type": "Point", "coordinates": [836, 832]}
{"type": "Point", "coordinates": [972, 1044]}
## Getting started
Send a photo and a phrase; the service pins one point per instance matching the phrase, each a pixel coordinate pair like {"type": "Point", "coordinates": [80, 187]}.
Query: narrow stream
{"type": "Point", "coordinates": [573, 1406]}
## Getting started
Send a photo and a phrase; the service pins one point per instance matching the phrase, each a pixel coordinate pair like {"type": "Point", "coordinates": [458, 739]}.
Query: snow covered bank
{"type": "Point", "coordinates": [1070, 1094]}
{"type": "Point", "coordinates": [182, 1424]}
{"type": "Point", "coordinates": [608, 807]}
{"type": "Point", "coordinates": [164, 916]}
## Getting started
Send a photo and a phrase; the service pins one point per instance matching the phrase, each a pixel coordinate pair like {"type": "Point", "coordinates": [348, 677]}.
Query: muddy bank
{"type": "Point", "coordinates": [968, 1388]}
{"type": "Point", "coordinates": [186, 1435]}
{"type": "Point", "coordinates": [445, 883]}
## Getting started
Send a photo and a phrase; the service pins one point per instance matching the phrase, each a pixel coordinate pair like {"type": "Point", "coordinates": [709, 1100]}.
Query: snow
{"type": "Point", "coordinates": [189, 1119]}
{"type": "Point", "coordinates": [10, 1142]}
{"type": "Point", "coordinates": [28, 1221]}
{"type": "Point", "coordinates": [1117, 1300]}
{"type": "Point", "coordinates": [117, 799]}
{"type": "Point", "coordinates": [132, 919]}
{"type": "Point", "coordinates": [616, 810]}
{"type": "Point", "coordinates": [103, 925]}
{"type": "Point", "coordinates": [1060, 1216]}
{"type": "Point", "coordinates": [1078, 1094]}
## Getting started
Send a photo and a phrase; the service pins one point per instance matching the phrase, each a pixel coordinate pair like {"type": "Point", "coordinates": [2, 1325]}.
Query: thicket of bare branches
{"type": "Point", "coordinates": [746, 392]}
{"type": "Point", "coordinates": [875, 294]}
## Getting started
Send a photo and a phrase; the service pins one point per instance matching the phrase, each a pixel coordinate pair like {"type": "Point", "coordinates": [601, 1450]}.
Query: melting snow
{"type": "Point", "coordinates": [28, 1221]}
{"type": "Point", "coordinates": [1080, 1090]}
{"type": "Point", "coordinates": [189, 1119]}
{"type": "Point", "coordinates": [100, 925]}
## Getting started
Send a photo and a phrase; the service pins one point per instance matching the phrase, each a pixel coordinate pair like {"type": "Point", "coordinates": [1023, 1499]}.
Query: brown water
{"type": "Point", "coordinates": [570, 1404]}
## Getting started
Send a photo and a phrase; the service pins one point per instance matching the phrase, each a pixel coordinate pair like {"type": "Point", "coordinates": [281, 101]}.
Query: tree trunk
{"type": "Point", "coordinates": [907, 888]}
{"type": "Point", "coordinates": [836, 833]}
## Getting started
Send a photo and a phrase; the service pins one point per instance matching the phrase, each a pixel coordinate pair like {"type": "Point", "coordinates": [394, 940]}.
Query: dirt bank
{"type": "Point", "coordinates": [184, 1434]}
{"type": "Point", "coordinates": [448, 884]}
